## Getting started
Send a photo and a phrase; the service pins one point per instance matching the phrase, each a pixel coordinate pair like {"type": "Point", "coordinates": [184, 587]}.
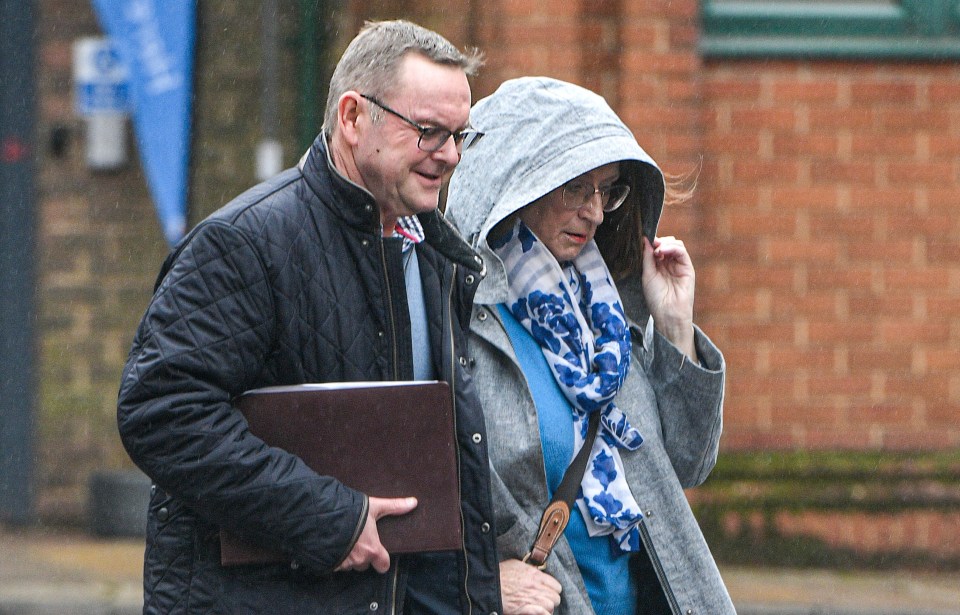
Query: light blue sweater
{"type": "Point", "coordinates": [605, 569]}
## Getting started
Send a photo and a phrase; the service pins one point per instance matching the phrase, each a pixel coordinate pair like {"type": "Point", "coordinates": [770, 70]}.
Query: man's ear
{"type": "Point", "coordinates": [348, 116]}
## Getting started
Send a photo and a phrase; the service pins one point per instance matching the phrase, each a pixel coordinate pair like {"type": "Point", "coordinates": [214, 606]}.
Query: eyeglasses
{"type": "Point", "coordinates": [578, 193]}
{"type": "Point", "coordinates": [432, 138]}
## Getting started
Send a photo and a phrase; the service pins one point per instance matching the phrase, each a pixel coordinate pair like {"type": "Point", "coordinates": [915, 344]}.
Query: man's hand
{"type": "Point", "coordinates": [527, 590]}
{"type": "Point", "coordinates": [368, 550]}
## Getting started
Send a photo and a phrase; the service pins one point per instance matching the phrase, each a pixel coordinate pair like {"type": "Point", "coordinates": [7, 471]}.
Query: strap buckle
{"type": "Point", "coordinates": [527, 560]}
{"type": "Point", "coordinates": [554, 521]}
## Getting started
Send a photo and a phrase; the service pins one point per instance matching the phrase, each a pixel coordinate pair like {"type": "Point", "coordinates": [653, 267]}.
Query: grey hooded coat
{"type": "Point", "coordinates": [537, 134]}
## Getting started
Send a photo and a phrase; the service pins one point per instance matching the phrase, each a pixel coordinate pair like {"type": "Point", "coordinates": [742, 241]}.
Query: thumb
{"type": "Point", "coordinates": [382, 507]}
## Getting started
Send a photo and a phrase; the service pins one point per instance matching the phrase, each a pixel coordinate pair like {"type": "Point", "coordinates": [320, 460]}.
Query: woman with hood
{"type": "Point", "coordinates": [584, 311]}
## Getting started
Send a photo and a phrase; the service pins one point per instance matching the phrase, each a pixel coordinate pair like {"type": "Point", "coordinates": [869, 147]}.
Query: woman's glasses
{"type": "Point", "coordinates": [578, 193]}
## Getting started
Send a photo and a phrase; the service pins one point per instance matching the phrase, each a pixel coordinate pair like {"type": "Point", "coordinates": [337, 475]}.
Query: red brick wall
{"type": "Point", "coordinates": [832, 270]}
{"type": "Point", "coordinates": [824, 228]}
{"type": "Point", "coordinates": [929, 531]}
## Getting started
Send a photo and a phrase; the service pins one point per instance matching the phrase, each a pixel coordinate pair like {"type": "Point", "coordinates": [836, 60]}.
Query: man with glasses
{"type": "Point", "coordinates": [341, 269]}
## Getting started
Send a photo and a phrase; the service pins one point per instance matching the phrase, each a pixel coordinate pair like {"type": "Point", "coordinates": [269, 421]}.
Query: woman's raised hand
{"type": "Point", "coordinates": [669, 281]}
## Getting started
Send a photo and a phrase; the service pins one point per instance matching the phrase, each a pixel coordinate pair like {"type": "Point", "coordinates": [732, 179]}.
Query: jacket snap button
{"type": "Point", "coordinates": [365, 242]}
{"type": "Point", "coordinates": [482, 316]}
{"type": "Point", "coordinates": [368, 208]}
{"type": "Point", "coordinates": [485, 528]}
{"type": "Point", "coordinates": [469, 280]}
{"type": "Point", "coordinates": [374, 606]}
{"type": "Point", "coordinates": [153, 489]}
{"type": "Point", "coordinates": [294, 565]}
{"type": "Point", "coordinates": [477, 438]}
{"type": "Point", "coordinates": [463, 361]}
{"type": "Point", "coordinates": [163, 514]}
{"type": "Point", "coordinates": [650, 512]}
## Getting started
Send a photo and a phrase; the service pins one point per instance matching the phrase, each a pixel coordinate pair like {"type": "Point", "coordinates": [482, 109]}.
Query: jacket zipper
{"type": "Point", "coordinates": [393, 323]}
{"type": "Point", "coordinates": [453, 394]}
{"type": "Point", "coordinates": [396, 376]}
{"type": "Point", "coordinates": [393, 589]}
{"type": "Point", "coordinates": [658, 567]}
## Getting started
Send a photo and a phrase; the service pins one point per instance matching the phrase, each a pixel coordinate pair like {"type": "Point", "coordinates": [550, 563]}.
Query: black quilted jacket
{"type": "Point", "coordinates": [291, 282]}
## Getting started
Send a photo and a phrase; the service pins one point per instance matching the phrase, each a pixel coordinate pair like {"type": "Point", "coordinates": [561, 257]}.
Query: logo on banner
{"type": "Point", "coordinates": [160, 73]}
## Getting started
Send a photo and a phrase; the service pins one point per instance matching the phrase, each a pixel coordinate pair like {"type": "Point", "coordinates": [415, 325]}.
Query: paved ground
{"type": "Point", "coordinates": [56, 573]}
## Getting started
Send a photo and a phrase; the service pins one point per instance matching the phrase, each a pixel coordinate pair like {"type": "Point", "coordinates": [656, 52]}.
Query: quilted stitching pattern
{"type": "Point", "coordinates": [263, 293]}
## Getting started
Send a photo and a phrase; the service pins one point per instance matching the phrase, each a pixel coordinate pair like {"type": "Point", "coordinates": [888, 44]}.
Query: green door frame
{"type": "Point", "coordinates": [884, 29]}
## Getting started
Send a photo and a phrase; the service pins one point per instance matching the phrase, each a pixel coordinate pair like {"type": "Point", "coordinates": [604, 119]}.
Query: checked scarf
{"type": "Point", "coordinates": [574, 314]}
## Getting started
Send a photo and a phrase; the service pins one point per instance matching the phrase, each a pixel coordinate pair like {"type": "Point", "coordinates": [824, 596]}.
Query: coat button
{"type": "Point", "coordinates": [477, 438]}
{"type": "Point", "coordinates": [649, 512]}
{"type": "Point", "coordinates": [485, 528]}
{"type": "Point", "coordinates": [294, 565]}
{"type": "Point", "coordinates": [469, 280]}
{"type": "Point", "coordinates": [374, 606]}
{"type": "Point", "coordinates": [163, 514]}
{"type": "Point", "coordinates": [368, 208]}
{"type": "Point", "coordinates": [153, 489]}
{"type": "Point", "coordinates": [463, 361]}
{"type": "Point", "coordinates": [364, 242]}
{"type": "Point", "coordinates": [482, 316]}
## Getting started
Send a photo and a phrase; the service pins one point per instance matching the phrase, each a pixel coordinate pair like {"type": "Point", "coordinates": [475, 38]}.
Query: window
{"type": "Point", "coordinates": [894, 29]}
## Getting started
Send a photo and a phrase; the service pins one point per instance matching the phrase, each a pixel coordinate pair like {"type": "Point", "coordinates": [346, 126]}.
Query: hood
{"type": "Point", "coordinates": [537, 134]}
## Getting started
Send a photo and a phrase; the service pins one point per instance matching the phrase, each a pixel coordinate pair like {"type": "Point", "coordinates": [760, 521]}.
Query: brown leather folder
{"type": "Point", "coordinates": [386, 439]}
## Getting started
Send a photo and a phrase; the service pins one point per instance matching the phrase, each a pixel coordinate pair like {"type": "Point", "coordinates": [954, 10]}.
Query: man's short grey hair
{"type": "Point", "coordinates": [369, 64]}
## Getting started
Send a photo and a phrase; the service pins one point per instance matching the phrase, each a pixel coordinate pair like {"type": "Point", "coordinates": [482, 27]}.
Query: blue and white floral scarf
{"type": "Point", "coordinates": [575, 315]}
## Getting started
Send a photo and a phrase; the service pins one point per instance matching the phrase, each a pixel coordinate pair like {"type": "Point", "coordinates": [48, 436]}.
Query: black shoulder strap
{"type": "Point", "coordinates": [557, 514]}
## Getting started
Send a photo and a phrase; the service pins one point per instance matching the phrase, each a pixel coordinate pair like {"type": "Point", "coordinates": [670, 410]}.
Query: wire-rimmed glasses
{"type": "Point", "coordinates": [579, 193]}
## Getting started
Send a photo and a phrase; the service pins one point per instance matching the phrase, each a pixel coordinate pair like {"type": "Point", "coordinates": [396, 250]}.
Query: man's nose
{"type": "Point", "coordinates": [448, 152]}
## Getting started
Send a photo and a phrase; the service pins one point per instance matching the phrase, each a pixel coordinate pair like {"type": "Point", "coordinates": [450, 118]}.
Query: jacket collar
{"type": "Point", "coordinates": [357, 207]}
{"type": "Point", "coordinates": [448, 241]}
{"type": "Point", "coordinates": [347, 200]}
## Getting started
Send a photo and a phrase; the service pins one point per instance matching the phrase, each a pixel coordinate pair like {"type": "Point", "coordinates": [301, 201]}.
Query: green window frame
{"type": "Point", "coordinates": [865, 29]}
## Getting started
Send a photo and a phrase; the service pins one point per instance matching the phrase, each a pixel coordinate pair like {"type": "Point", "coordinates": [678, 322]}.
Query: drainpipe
{"type": "Point", "coordinates": [17, 204]}
{"type": "Point", "coordinates": [269, 150]}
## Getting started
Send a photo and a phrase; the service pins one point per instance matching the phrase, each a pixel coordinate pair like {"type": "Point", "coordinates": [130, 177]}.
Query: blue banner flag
{"type": "Point", "coordinates": [156, 38]}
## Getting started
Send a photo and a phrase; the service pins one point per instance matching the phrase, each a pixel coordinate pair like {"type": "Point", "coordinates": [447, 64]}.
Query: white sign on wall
{"type": "Point", "coordinates": [102, 96]}
{"type": "Point", "coordinates": [101, 77]}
